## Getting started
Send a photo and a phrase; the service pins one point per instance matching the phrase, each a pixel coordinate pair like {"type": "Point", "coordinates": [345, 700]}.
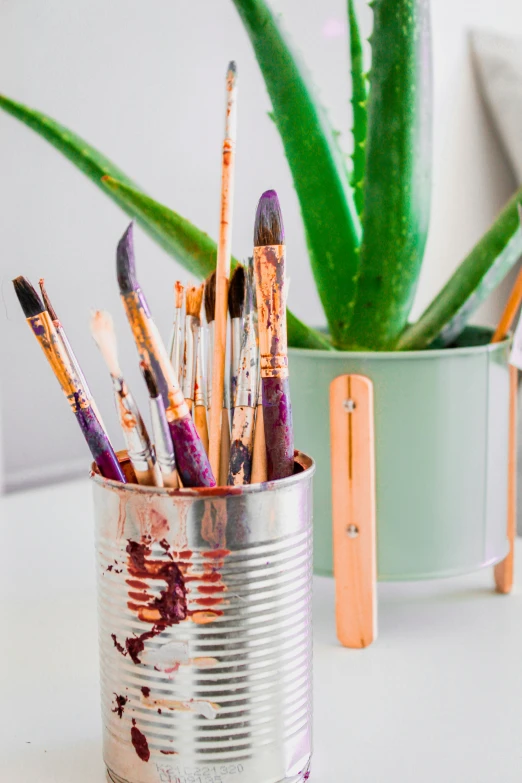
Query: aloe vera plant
{"type": "Point", "coordinates": [365, 227]}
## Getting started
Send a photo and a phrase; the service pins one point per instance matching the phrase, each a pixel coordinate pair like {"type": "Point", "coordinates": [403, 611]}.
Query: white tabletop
{"type": "Point", "coordinates": [437, 699]}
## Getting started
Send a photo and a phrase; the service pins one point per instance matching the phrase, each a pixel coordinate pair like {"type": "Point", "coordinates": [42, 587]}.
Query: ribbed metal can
{"type": "Point", "coordinates": [205, 631]}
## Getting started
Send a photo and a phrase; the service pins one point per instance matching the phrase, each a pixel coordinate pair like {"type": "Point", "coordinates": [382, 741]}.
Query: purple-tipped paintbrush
{"type": "Point", "coordinates": [192, 461]}
{"type": "Point", "coordinates": [58, 357]}
{"type": "Point", "coordinates": [269, 264]}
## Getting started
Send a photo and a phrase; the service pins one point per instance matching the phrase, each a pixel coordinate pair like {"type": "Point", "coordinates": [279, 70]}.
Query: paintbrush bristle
{"type": "Point", "coordinates": [194, 300]}
{"type": "Point", "coordinates": [30, 301]}
{"type": "Point", "coordinates": [125, 262]}
{"type": "Point", "coordinates": [236, 292]}
{"type": "Point", "coordinates": [210, 297]}
{"type": "Point", "coordinates": [179, 289]}
{"type": "Point", "coordinates": [150, 380]}
{"type": "Point", "coordinates": [47, 302]}
{"type": "Point", "coordinates": [268, 227]}
{"type": "Point", "coordinates": [102, 330]}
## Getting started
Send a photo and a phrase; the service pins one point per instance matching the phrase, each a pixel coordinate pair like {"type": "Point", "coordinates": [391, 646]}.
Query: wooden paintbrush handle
{"type": "Point", "coordinates": [242, 443]}
{"type": "Point", "coordinates": [200, 420]}
{"type": "Point", "coordinates": [149, 478]}
{"type": "Point", "coordinates": [504, 571]}
{"type": "Point", "coordinates": [259, 453]}
{"type": "Point", "coordinates": [224, 457]}
{"type": "Point", "coordinates": [353, 499]}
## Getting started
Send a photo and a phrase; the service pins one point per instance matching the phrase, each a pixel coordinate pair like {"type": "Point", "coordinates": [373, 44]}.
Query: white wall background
{"type": "Point", "coordinates": [143, 81]}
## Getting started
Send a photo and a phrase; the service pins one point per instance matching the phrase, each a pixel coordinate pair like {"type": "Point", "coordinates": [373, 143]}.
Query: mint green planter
{"type": "Point", "coordinates": [441, 439]}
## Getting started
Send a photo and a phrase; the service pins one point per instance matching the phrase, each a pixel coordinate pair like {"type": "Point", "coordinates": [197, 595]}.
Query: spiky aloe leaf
{"type": "Point", "coordinates": [359, 106]}
{"type": "Point", "coordinates": [397, 175]}
{"type": "Point", "coordinates": [194, 249]}
{"type": "Point", "coordinates": [477, 276]}
{"type": "Point", "coordinates": [319, 173]}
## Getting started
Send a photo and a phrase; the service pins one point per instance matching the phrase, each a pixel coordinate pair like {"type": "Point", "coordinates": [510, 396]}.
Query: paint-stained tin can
{"type": "Point", "coordinates": [205, 631]}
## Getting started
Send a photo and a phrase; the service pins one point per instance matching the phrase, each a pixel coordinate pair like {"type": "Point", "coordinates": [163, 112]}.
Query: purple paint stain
{"type": "Point", "coordinates": [37, 327]}
{"type": "Point", "coordinates": [146, 691]}
{"type": "Point", "coordinates": [279, 435]}
{"type": "Point", "coordinates": [191, 459]}
{"type": "Point", "coordinates": [101, 449]}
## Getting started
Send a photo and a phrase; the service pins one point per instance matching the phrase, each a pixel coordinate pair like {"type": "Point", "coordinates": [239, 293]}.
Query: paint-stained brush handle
{"type": "Point", "coordinates": [191, 458]}
{"type": "Point", "coordinates": [259, 452]}
{"type": "Point", "coordinates": [277, 420]}
{"type": "Point", "coordinates": [241, 446]}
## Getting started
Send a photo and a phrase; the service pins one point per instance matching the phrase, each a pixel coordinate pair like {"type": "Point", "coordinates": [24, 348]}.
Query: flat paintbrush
{"type": "Point", "coordinates": [193, 301]}
{"type": "Point", "coordinates": [69, 351]}
{"type": "Point", "coordinates": [191, 459]}
{"type": "Point", "coordinates": [259, 451]}
{"type": "Point", "coordinates": [139, 449]}
{"type": "Point", "coordinates": [223, 273]}
{"type": "Point", "coordinates": [269, 262]}
{"type": "Point", "coordinates": [176, 340]}
{"type": "Point", "coordinates": [52, 345]}
{"type": "Point", "coordinates": [244, 391]}
{"type": "Point", "coordinates": [160, 431]}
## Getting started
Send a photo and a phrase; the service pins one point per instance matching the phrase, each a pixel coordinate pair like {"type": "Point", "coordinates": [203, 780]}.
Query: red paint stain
{"type": "Point", "coordinates": [211, 589]}
{"type": "Point", "coordinates": [139, 740]}
{"type": "Point", "coordinates": [217, 554]}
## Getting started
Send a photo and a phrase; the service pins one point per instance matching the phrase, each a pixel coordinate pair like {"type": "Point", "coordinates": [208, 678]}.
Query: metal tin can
{"type": "Point", "coordinates": [205, 631]}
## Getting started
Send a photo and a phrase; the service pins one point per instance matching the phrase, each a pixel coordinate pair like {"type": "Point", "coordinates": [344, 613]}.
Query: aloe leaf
{"type": "Point", "coordinates": [318, 169]}
{"type": "Point", "coordinates": [477, 276]}
{"type": "Point", "coordinates": [76, 149]}
{"type": "Point", "coordinates": [194, 249]}
{"type": "Point", "coordinates": [359, 105]}
{"type": "Point", "coordinates": [397, 175]}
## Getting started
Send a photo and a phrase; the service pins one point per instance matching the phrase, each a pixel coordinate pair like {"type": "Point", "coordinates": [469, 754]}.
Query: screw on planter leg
{"type": "Point", "coordinates": [352, 531]}
{"type": "Point", "coordinates": [349, 405]}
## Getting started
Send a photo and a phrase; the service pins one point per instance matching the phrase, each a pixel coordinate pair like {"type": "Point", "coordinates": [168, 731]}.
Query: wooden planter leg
{"type": "Point", "coordinates": [504, 571]}
{"type": "Point", "coordinates": [353, 501]}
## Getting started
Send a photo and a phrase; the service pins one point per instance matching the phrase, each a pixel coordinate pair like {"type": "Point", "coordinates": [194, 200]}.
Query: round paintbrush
{"type": "Point", "coordinates": [244, 390]}
{"type": "Point", "coordinates": [53, 347]}
{"type": "Point", "coordinates": [236, 301]}
{"type": "Point", "coordinates": [176, 340]}
{"type": "Point", "coordinates": [139, 449]}
{"type": "Point", "coordinates": [269, 261]}
{"type": "Point", "coordinates": [160, 431]}
{"type": "Point", "coordinates": [193, 302]}
{"type": "Point", "coordinates": [223, 274]}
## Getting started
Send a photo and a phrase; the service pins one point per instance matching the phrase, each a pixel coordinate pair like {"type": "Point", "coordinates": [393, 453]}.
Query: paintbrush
{"type": "Point", "coordinates": [269, 261]}
{"type": "Point", "coordinates": [192, 462]}
{"type": "Point", "coordinates": [224, 452]}
{"type": "Point", "coordinates": [160, 431]}
{"type": "Point", "coordinates": [139, 449]}
{"type": "Point", "coordinates": [67, 346]}
{"type": "Point", "coordinates": [244, 391]}
{"type": "Point", "coordinates": [236, 300]}
{"type": "Point", "coordinates": [223, 271]}
{"type": "Point", "coordinates": [200, 405]}
{"type": "Point", "coordinates": [176, 340]}
{"type": "Point", "coordinates": [193, 301]}
{"type": "Point", "coordinates": [52, 345]}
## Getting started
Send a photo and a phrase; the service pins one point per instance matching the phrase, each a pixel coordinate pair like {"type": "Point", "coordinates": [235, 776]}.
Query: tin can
{"type": "Point", "coordinates": [205, 630]}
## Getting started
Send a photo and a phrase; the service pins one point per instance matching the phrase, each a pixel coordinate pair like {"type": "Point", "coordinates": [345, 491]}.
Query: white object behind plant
{"type": "Point", "coordinates": [498, 60]}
